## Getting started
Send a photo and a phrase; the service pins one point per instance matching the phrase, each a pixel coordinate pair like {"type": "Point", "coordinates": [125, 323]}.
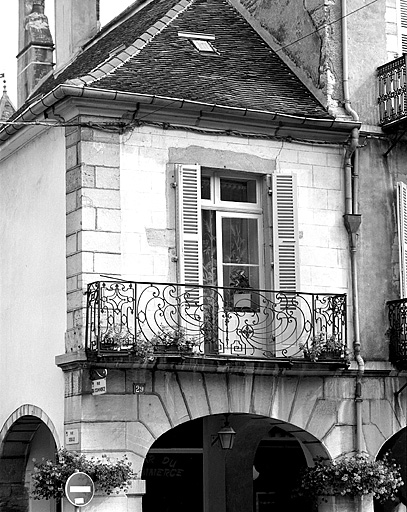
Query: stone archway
{"type": "Point", "coordinates": [27, 434]}
{"type": "Point", "coordinates": [185, 468]}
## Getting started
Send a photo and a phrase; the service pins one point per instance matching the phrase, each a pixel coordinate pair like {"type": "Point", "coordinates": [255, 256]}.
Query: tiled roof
{"type": "Point", "coordinates": [243, 73]}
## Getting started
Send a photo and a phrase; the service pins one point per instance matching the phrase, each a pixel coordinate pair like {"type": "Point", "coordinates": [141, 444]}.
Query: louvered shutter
{"type": "Point", "coordinates": [285, 232]}
{"type": "Point", "coordinates": [189, 224]}
{"type": "Point", "coordinates": [403, 25]}
{"type": "Point", "coordinates": [402, 231]}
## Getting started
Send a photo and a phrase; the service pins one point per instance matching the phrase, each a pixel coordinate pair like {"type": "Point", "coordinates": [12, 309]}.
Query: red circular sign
{"type": "Point", "coordinates": [79, 489]}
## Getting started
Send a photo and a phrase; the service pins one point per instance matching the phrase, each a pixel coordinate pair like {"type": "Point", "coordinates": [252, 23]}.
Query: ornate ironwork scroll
{"type": "Point", "coordinates": [220, 321]}
{"type": "Point", "coordinates": [398, 332]}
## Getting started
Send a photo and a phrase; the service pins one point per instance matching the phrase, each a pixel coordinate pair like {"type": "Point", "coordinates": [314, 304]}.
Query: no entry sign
{"type": "Point", "coordinates": [79, 489]}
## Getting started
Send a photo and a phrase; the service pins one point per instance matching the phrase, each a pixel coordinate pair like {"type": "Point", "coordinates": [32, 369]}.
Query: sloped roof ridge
{"type": "Point", "coordinates": [116, 61]}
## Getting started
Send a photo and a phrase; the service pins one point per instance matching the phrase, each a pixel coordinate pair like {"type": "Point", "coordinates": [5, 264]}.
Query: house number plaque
{"type": "Point", "coordinates": [138, 388]}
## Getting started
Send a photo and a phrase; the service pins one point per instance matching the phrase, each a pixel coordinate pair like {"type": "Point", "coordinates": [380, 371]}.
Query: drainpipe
{"type": "Point", "coordinates": [352, 220]}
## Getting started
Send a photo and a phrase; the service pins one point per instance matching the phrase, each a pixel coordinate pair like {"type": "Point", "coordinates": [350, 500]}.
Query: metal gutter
{"type": "Point", "coordinates": [62, 91]}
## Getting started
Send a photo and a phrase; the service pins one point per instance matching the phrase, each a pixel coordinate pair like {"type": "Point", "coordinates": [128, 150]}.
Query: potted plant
{"type": "Point", "coordinates": [173, 340]}
{"type": "Point", "coordinates": [49, 477]}
{"type": "Point", "coordinates": [242, 298]}
{"type": "Point", "coordinates": [352, 476]}
{"type": "Point", "coordinates": [323, 346]}
{"type": "Point", "coordinates": [142, 348]}
{"type": "Point", "coordinates": [118, 338]}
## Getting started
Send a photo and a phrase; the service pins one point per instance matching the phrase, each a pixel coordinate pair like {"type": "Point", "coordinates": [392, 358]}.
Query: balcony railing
{"type": "Point", "coordinates": [222, 322]}
{"type": "Point", "coordinates": [392, 91]}
{"type": "Point", "coordinates": [398, 332]}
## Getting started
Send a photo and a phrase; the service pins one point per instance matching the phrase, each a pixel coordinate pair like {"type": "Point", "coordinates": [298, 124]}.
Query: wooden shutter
{"type": "Point", "coordinates": [285, 232]}
{"type": "Point", "coordinates": [403, 25]}
{"type": "Point", "coordinates": [402, 231]}
{"type": "Point", "coordinates": [189, 224]}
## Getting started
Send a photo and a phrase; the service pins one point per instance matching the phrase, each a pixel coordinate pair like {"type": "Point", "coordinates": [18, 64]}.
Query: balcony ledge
{"type": "Point", "coordinates": [206, 364]}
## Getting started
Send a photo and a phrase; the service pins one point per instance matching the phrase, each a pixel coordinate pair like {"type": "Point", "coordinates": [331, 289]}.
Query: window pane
{"type": "Point", "coordinates": [205, 187]}
{"type": "Point", "coordinates": [240, 241]}
{"type": "Point", "coordinates": [209, 247]}
{"type": "Point", "coordinates": [242, 191]}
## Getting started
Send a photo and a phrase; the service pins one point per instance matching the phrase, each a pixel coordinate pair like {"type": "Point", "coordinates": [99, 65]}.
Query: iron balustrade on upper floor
{"type": "Point", "coordinates": [392, 91]}
{"type": "Point", "coordinates": [233, 322]}
{"type": "Point", "coordinates": [397, 332]}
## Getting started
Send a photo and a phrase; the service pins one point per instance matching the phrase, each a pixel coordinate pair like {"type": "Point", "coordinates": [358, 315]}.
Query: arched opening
{"type": "Point", "coordinates": [186, 468]}
{"type": "Point", "coordinates": [396, 447]}
{"type": "Point", "coordinates": [278, 461]}
{"type": "Point", "coordinates": [28, 439]}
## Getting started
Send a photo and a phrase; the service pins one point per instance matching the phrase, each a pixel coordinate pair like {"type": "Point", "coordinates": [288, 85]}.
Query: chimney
{"type": "Point", "coordinates": [35, 47]}
{"type": "Point", "coordinates": [76, 22]}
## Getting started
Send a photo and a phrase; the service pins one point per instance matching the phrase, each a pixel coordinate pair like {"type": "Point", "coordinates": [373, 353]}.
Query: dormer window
{"type": "Point", "coordinates": [201, 42]}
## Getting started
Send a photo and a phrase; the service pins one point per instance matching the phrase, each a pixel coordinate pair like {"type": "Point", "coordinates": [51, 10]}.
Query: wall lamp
{"type": "Point", "coordinates": [225, 436]}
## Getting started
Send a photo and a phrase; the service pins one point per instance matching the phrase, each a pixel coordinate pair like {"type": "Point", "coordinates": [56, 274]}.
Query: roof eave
{"type": "Point", "coordinates": [33, 111]}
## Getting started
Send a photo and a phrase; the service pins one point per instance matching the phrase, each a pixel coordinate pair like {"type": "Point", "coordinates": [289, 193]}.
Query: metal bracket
{"type": "Point", "coordinates": [395, 143]}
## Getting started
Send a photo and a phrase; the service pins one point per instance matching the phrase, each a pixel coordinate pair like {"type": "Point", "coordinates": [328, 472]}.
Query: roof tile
{"type": "Point", "coordinates": [245, 72]}
{"type": "Point", "coordinates": [159, 25]}
{"type": "Point", "coordinates": [139, 44]}
{"type": "Point", "coordinates": [153, 30]}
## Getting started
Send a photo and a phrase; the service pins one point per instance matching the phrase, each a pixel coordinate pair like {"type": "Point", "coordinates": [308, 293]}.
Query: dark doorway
{"type": "Point", "coordinates": [187, 470]}
{"type": "Point", "coordinates": [278, 461]}
{"type": "Point", "coordinates": [173, 471]}
{"type": "Point", "coordinates": [27, 440]}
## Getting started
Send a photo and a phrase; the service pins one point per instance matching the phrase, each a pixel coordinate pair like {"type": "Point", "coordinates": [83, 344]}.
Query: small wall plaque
{"type": "Point", "coordinates": [138, 388]}
{"type": "Point", "coordinates": [72, 436]}
{"type": "Point", "coordinates": [99, 387]}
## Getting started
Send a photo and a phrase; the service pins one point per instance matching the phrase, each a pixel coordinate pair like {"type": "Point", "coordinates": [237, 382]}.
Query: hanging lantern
{"type": "Point", "coordinates": [226, 436]}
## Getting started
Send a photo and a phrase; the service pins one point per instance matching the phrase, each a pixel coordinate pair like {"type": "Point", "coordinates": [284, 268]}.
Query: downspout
{"type": "Point", "coordinates": [352, 220]}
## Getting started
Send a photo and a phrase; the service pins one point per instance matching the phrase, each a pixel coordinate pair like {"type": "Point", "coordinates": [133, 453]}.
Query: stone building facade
{"type": "Point", "coordinates": [132, 142]}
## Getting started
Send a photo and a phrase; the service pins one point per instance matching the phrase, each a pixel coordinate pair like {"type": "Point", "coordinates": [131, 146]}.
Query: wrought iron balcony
{"type": "Point", "coordinates": [218, 322]}
{"type": "Point", "coordinates": [392, 91]}
{"type": "Point", "coordinates": [398, 332]}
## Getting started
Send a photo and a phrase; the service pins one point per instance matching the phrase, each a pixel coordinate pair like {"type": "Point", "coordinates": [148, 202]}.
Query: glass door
{"type": "Point", "coordinates": [240, 261]}
{"type": "Point", "coordinates": [232, 255]}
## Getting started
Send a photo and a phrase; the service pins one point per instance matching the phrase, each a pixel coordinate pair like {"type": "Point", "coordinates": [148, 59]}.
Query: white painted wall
{"type": "Point", "coordinates": [323, 239]}
{"type": "Point", "coordinates": [32, 276]}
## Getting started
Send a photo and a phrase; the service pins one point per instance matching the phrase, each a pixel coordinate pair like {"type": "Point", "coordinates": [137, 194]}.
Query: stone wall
{"type": "Point", "coordinates": [318, 410]}
{"type": "Point", "coordinates": [93, 238]}
{"type": "Point", "coordinates": [148, 201]}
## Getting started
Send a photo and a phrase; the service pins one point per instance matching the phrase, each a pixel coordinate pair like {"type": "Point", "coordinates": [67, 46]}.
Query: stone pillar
{"type": "Point", "coordinates": [93, 221]}
{"type": "Point", "coordinates": [130, 501]}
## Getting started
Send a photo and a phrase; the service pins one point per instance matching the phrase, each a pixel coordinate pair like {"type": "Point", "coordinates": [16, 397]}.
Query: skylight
{"type": "Point", "coordinates": [202, 46]}
{"type": "Point", "coordinates": [201, 42]}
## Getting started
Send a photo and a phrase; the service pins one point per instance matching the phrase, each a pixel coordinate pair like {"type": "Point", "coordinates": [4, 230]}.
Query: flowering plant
{"type": "Point", "coordinates": [352, 476]}
{"type": "Point", "coordinates": [49, 477]}
{"type": "Point", "coordinates": [143, 347]}
{"type": "Point", "coordinates": [169, 336]}
{"type": "Point", "coordinates": [321, 342]}
{"type": "Point", "coordinates": [119, 338]}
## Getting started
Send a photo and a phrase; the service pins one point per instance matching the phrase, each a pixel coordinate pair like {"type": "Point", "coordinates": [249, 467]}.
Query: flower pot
{"type": "Point", "coordinates": [242, 300]}
{"type": "Point", "coordinates": [330, 354]}
{"type": "Point", "coordinates": [326, 503]}
{"type": "Point", "coordinates": [171, 350]}
{"type": "Point", "coordinates": [345, 503]}
{"type": "Point", "coordinates": [166, 349]}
